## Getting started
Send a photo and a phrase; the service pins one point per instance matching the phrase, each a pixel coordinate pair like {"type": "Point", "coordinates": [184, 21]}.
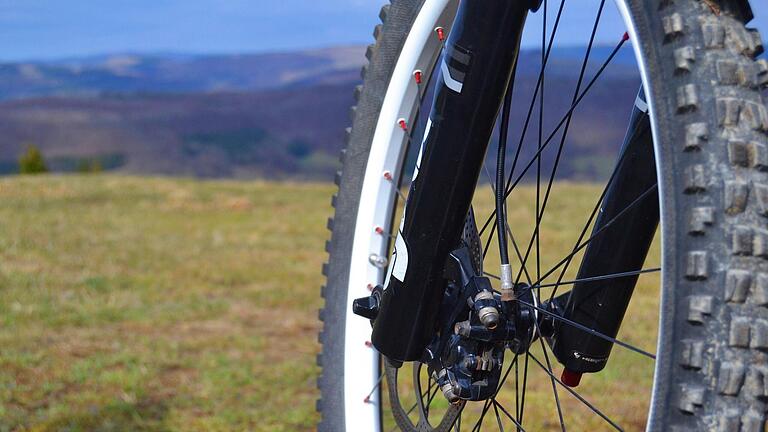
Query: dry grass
{"type": "Point", "coordinates": [174, 305]}
{"type": "Point", "coordinates": [154, 304]}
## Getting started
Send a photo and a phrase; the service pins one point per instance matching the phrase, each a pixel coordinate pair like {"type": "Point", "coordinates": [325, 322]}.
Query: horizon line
{"type": "Point", "coordinates": [221, 53]}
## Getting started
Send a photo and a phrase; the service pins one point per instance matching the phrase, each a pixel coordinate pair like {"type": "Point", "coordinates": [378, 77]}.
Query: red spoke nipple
{"type": "Point", "coordinates": [440, 33]}
{"type": "Point", "coordinates": [403, 124]}
{"type": "Point", "coordinates": [387, 175]}
{"type": "Point", "coordinates": [379, 230]}
{"type": "Point", "coordinates": [570, 378]}
{"type": "Point", "coordinates": [417, 76]}
{"type": "Point", "coordinates": [369, 344]}
{"type": "Point", "coordinates": [367, 399]}
{"type": "Point", "coordinates": [625, 37]}
{"type": "Point", "coordinates": [370, 287]}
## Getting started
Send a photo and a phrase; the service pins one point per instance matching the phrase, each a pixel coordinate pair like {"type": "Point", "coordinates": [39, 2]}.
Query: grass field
{"type": "Point", "coordinates": [133, 304]}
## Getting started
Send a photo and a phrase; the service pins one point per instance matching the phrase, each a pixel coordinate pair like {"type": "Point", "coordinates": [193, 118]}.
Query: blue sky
{"type": "Point", "coordinates": [46, 29]}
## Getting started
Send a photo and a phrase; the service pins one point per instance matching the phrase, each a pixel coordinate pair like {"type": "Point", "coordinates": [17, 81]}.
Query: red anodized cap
{"type": "Point", "coordinates": [570, 378]}
{"type": "Point", "coordinates": [440, 33]}
{"type": "Point", "coordinates": [417, 76]}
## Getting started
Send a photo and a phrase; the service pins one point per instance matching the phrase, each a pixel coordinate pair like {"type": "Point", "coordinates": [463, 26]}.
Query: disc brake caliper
{"type": "Point", "coordinates": [476, 328]}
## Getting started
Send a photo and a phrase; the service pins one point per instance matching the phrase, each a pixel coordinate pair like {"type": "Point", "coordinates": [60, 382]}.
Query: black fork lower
{"type": "Point", "coordinates": [621, 238]}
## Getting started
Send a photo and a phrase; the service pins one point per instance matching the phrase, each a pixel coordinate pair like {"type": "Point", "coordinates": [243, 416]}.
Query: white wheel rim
{"type": "Point", "coordinates": [361, 363]}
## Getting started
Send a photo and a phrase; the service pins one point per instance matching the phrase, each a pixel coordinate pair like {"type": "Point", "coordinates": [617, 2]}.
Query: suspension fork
{"type": "Point", "coordinates": [474, 73]}
{"type": "Point", "coordinates": [622, 236]}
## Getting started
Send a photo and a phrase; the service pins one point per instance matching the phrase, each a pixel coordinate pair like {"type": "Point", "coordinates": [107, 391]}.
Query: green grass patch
{"type": "Point", "coordinates": [158, 304]}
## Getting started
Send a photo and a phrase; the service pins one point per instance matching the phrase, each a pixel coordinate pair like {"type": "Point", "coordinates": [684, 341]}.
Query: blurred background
{"type": "Point", "coordinates": [230, 89]}
{"type": "Point", "coordinates": [133, 294]}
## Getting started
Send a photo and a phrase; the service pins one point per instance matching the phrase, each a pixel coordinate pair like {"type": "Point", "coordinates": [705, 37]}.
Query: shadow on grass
{"type": "Point", "coordinates": [143, 415]}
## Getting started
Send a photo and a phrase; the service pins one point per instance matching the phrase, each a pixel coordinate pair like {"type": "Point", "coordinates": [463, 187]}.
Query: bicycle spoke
{"type": "Point", "coordinates": [549, 366]}
{"type": "Point", "coordinates": [596, 278]}
{"type": "Point", "coordinates": [509, 416]}
{"type": "Point", "coordinates": [421, 395]}
{"type": "Point", "coordinates": [589, 220]}
{"type": "Point", "coordinates": [498, 417]}
{"type": "Point", "coordinates": [597, 233]}
{"type": "Point", "coordinates": [429, 400]}
{"type": "Point", "coordinates": [589, 330]}
{"type": "Point", "coordinates": [517, 391]}
{"type": "Point", "coordinates": [432, 389]}
{"type": "Point", "coordinates": [525, 386]}
{"type": "Point", "coordinates": [539, 82]}
{"type": "Point", "coordinates": [560, 124]}
{"type": "Point", "coordinates": [554, 387]}
{"type": "Point", "coordinates": [375, 387]}
{"type": "Point", "coordinates": [501, 384]}
{"type": "Point", "coordinates": [532, 105]}
{"type": "Point", "coordinates": [579, 397]}
{"type": "Point", "coordinates": [541, 131]}
{"type": "Point", "coordinates": [537, 232]}
{"type": "Point", "coordinates": [479, 423]}
{"type": "Point", "coordinates": [569, 112]}
{"type": "Point", "coordinates": [488, 242]}
{"type": "Point", "coordinates": [506, 374]}
{"type": "Point", "coordinates": [399, 193]}
{"type": "Point", "coordinates": [564, 136]}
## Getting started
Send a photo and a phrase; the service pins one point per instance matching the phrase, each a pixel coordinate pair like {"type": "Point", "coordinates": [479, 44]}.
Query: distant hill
{"type": "Point", "coordinates": [278, 133]}
{"type": "Point", "coordinates": [176, 73]}
{"type": "Point", "coordinates": [180, 73]}
{"type": "Point", "coordinates": [276, 115]}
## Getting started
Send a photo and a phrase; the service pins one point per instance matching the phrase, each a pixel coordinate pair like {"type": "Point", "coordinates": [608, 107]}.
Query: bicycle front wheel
{"type": "Point", "coordinates": [693, 344]}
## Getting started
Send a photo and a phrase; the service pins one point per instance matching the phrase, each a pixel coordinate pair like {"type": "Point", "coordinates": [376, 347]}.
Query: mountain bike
{"type": "Point", "coordinates": [451, 302]}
